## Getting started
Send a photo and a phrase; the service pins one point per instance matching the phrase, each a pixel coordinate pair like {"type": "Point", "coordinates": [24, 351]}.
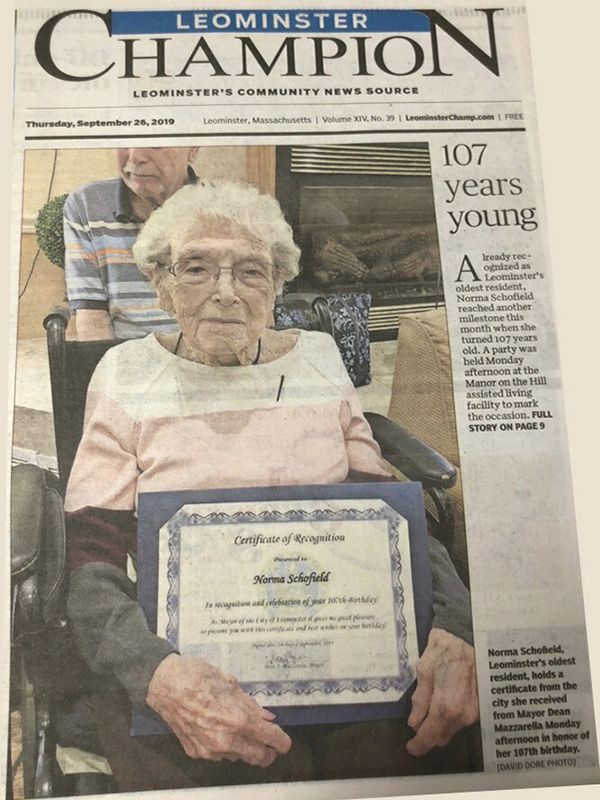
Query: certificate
{"type": "Point", "coordinates": [305, 594]}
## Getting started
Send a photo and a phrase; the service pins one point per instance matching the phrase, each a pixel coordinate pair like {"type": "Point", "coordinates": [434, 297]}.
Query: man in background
{"type": "Point", "coordinates": [111, 298]}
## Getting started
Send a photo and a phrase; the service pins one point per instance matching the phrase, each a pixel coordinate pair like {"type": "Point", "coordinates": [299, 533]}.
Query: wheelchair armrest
{"type": "Point", "coordinates": [37, 545]}
{"type": "Point", "coordinates": [410, 455]}
{"type": "Point", "coordinates": [28, 503]}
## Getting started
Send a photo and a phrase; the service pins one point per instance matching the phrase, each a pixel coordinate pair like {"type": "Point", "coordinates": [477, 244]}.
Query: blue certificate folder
{"type": "Point", "coordinates": [157, 508]}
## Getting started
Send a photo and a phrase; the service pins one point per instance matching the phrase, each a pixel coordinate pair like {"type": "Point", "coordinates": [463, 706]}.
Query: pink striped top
{"type": "Point", "coordinates": [157, 422]}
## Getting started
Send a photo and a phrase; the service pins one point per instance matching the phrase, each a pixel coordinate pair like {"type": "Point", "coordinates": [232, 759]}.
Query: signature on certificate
{"type": "Point", "coordinates": [296, 658]}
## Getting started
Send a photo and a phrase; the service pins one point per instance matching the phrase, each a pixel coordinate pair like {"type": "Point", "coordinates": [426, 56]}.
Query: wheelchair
{"type": "Point", "coordinates": [40, 632]}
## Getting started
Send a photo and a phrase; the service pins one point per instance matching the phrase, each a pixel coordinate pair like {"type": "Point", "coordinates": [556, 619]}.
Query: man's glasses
{"type": "Point", "coordinates": [198, 272]}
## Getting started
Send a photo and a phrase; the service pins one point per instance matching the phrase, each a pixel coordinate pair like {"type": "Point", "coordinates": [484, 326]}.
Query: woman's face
{"type": "Point", "coordinates": [222, 292]}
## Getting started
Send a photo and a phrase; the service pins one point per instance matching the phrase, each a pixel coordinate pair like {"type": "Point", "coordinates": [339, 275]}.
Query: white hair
{"type": "Point", "coordinates": [259, 214]}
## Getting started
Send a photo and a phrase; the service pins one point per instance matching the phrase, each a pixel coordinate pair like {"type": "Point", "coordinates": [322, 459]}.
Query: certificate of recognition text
{"type": "Point", "coordinates": [307, 602]}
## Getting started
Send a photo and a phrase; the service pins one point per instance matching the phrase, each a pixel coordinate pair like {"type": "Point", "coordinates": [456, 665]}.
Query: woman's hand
{"type": "Point", "coordinates": [211, 716]}
{"type": "Point", "coordinates": [445, 699]}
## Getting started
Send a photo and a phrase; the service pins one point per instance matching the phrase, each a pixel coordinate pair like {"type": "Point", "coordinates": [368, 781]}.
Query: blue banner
{"type": "Point", "coordinates": [284, 21]}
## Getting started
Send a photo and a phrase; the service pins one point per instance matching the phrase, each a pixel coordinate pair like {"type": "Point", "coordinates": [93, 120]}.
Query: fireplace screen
{"type": "Point", "coordinates": [364, 218]}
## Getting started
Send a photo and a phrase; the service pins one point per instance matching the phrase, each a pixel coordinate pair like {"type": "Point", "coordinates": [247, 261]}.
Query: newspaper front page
{"type": "Point", "coordinates": [400, 145]}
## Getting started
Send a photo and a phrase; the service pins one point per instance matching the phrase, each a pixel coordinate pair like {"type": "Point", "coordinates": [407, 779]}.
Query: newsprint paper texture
{"type": "Point", "coordinates": [401, 144]}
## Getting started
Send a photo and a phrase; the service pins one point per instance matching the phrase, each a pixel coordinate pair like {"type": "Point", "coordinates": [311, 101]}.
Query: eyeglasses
{"type": "Point", "coordinates": [198, 272]}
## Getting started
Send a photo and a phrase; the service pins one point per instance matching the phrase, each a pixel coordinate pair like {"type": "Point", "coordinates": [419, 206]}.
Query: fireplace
{"type": "Point", "coordinates": [364, 217]}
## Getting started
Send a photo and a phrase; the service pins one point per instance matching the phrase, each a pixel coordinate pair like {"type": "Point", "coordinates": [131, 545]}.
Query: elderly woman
{"type": "Point", "coordinates": [228, 402]}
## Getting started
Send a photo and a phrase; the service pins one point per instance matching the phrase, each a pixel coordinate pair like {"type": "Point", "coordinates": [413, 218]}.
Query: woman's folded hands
{"type": "Point", "coordinates": [210, 714]}
{"type": "Point", "coordinates": [214, 719]}
{"type": "Point", "coordinates": [445, 700]}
